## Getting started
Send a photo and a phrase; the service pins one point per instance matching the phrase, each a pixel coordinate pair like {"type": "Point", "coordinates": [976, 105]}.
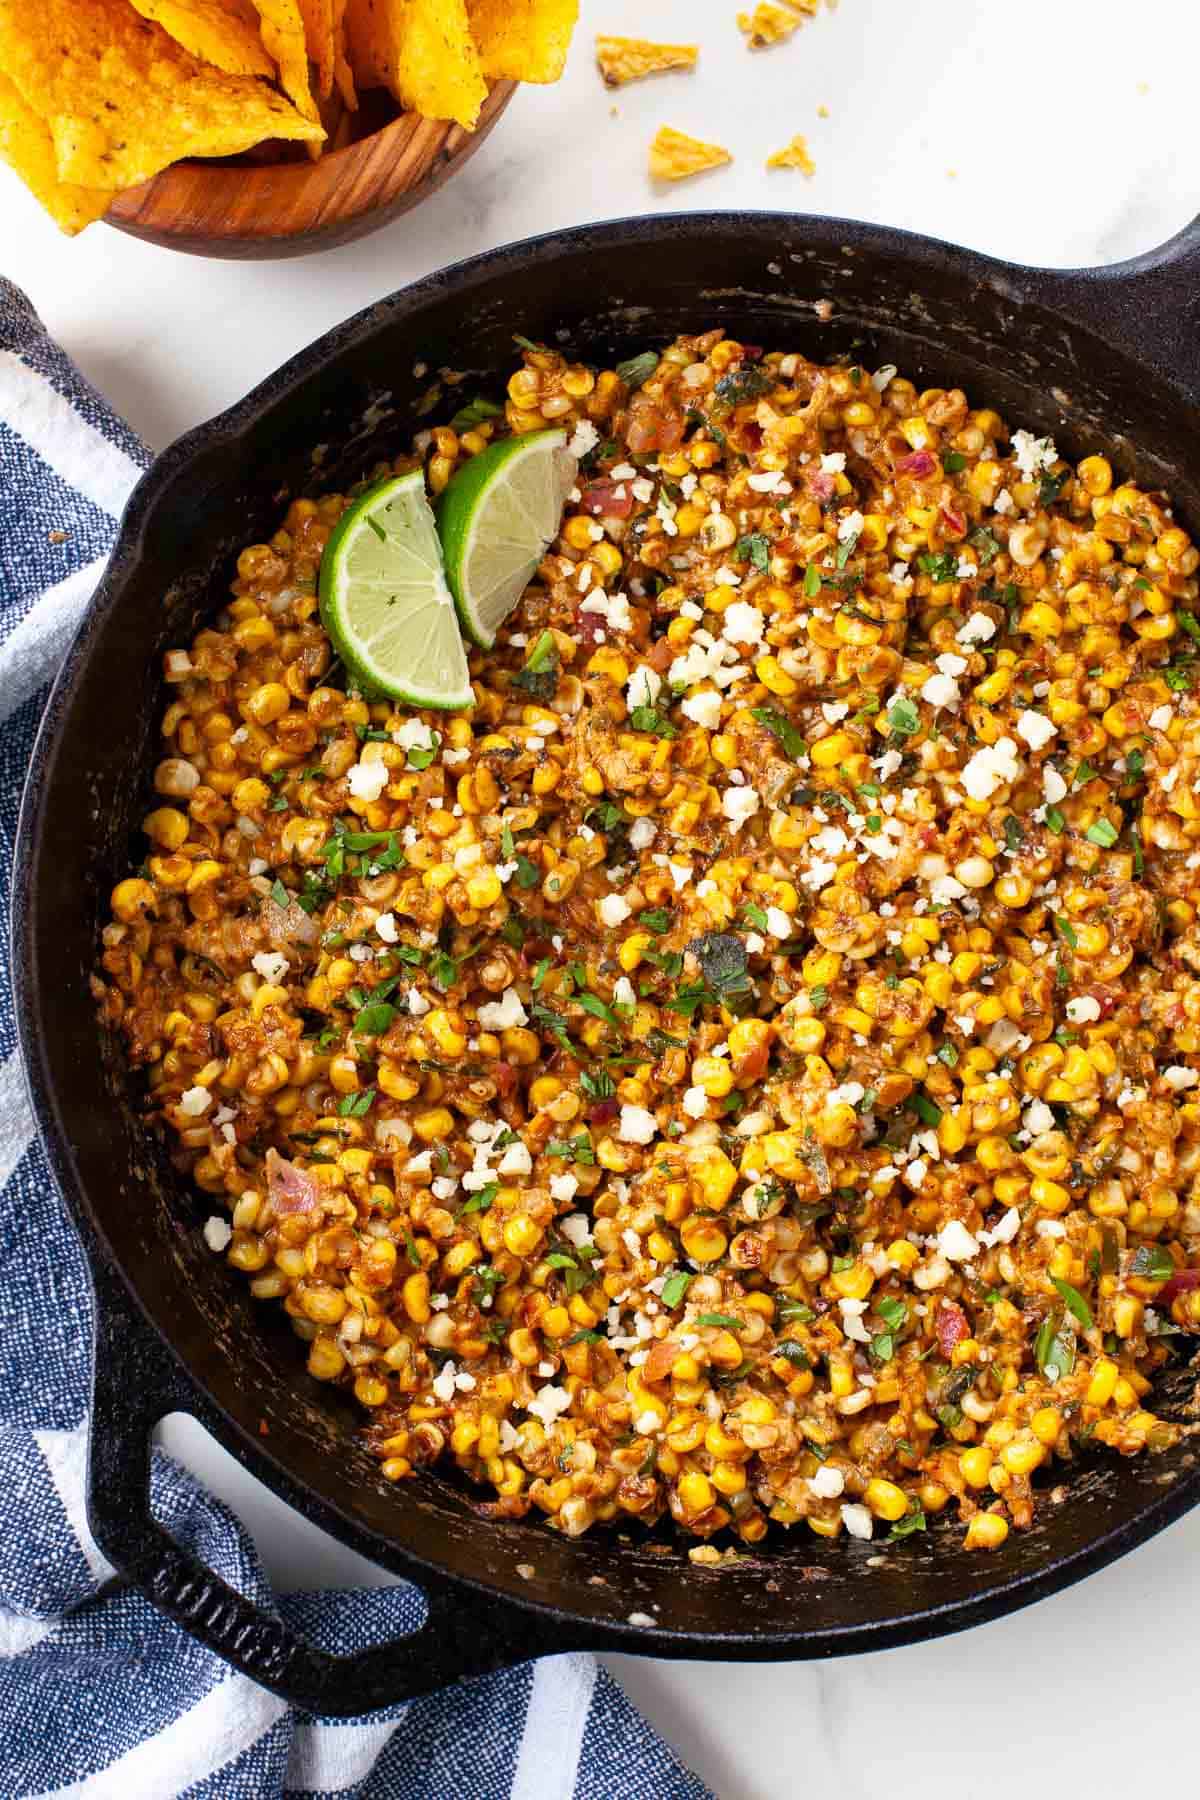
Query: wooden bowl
{"type": "Point", "coordinates": [239, 209]}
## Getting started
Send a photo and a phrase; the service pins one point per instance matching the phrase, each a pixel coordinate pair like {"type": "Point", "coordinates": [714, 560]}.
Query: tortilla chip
{"type": "Point", "coordinates": [221, 32]}
{"type": "Point", "coordinates": [317, 19]}
{"type": "Point", "coordinates": [26, 144]}
{"type": "Point", "coordinates": [523, 40]}
{"type": "Point", "coordinates": [343, 74]}
{"type": "Point", "coordinates": [283, 37]}
{"type": "Point", "coordinates": [121, 99]}
{"type": "Point", "coordinates": [423, 51]}
{"type": "Point", "coordinates": [794, 155]}
{"type": "Point", "coordinates": [770, 24]}
{"type": "Point", "coordinates": [674, 156]}
{"type": "Point", "coordinates": [622, 59]}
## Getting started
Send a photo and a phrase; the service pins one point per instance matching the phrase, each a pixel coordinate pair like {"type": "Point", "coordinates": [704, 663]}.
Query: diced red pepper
{"type": "Point", "coordinates": [952, 1327]}
{"type": "Point", "coordinates": [612, 499]}
{"type": "Point", "coordinates": [1182, 1282]}
{"type": "Point", "coordinates": [919, 463]}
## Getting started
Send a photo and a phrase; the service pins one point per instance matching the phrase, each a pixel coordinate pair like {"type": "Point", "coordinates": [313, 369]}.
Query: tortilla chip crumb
{"type": "Point", "coordinates": [674, 156]}
{"type": "Point", "coordinates": [771, 22]}
{"type": "Point", "coordinates": [793, 156]}
{"type": "Point", "coordinates": [622, 59]}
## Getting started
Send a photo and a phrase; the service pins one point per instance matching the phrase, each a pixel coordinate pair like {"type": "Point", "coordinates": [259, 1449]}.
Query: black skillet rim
{"type": "Point", "coordinates": [1061, 289]}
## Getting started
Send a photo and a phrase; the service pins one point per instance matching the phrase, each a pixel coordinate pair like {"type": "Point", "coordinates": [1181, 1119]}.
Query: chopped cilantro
{"type": "Point", "coordinates": [474, 413]}
{"type": "Point", "coordinates": [635, 371]}
{"type": "Point", "coordinates": [577, 1149]}
{"type": "Point", "coordinates": [782, 729]}
{"type": "Point", "coordinates": [1054, 1347]}
{"type": "Point", "coordinates": [528, 873]}
{"type": "Point", "coordinates": [374, 1020]}
{"type": "Point", "coordinates": [421, 759]}
{"type": "Point", "coordinates": [649, 719]}
{"type": "Point", "coordinates": [903, 717]}
{"type": "Point", "coordinates": [755, 550]}
{"type": "Point", "coordinates": [658, 920]}
{"type": "Point", "coordinates": [539, 676]}
{"type": "Point", "coordinates": [938, 565]}
{"type": "Point", "coordinates": [1153, 1263]}
{"type": "Point", "coordinates": [925, 1109]}
{"type": "Point", "coordinates": [1075, 1302]}
{"type": "Point", "coordinates": [675, 1287]}
{"type": "Point", "coordinates": [913, 1520]}
{"type": "Point", "coordinates": [356, 1106]}
{"type": "Point", "coordinates": [722, 957]}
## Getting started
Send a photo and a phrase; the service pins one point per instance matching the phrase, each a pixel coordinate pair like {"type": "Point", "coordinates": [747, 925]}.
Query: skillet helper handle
{"type": "Point", "coordinates": [1149, 305]}
{"type": "Point", "coordinates": [135, 1383]}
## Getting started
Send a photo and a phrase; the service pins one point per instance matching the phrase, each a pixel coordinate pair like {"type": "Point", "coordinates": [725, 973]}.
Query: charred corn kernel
{"type": "Point", "coordinates": [521, 1235]}
{"type": "Point", "coordinates": [830, 751]}
{"type": "Point", "coordinates": [854, 1283]}
{"type": "Point", "coordinates": [1047, 1424]}
{"type": "Point", "coordinates": [903, 1255]}
{"type": "Point", "coordinates": [1127, 1315]}
{"type": "Point", "coordinates": [714, 1075]}
{"type": "Point", "coordinates": [167, 827]}
{"type": "Point", "coordinates": [728, 1478]}
{"type": "Point", "coordinates": [633, 949]}
{"type": "Point", "coordinates": [612, 665]}
{"type": "Point", "coordinates": [987, 1531]}
{"type": "Point", "coordinates": [445, 1033]}
{"type": "Point", "coordinates": [415, 1294]}
{"type": "Point", "coordinates": [1095, 473]}
{"type": "Point", "coordinates": [395, 1083]}
{"type": "Point", "coordinates": [267, 703]}
{"type": "Point", "coordinates": [1051, 1196]}
{"type": "Point", "coordinates": [696, 1492]}
{"type": "Point", "coordinates": [975, 1466]}
{"type": "Point", "coordinates": [703, 1240]}
{"type": "Point", "coordinates": [433, 1125]}
{"type": "Point", "coordinates": [777, 681]}
{"type": "Point", "coordinates": [132, 898]}
{"type": "Point", "coordinates": [1103, 1383]}
{"type": "Point", "coordinates": [886, 1500]}
{"type": "Point", "coordinates": [1023, 1456]}
{"type": "Point", "coordinates": [343, 1074]}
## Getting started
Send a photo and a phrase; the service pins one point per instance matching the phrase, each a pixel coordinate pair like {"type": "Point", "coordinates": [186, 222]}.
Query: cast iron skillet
{"type": "Point", "coordinates": [1105, 360]}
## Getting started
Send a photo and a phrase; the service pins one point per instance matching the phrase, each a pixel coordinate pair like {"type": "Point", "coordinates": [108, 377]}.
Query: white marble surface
{"type": "Point", "coordinates": [1056, 131]}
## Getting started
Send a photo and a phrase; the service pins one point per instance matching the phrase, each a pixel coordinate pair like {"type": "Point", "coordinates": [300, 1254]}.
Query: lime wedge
{"type": "Point", "coordinates": [384, 599]}
{"type": "Point", "coordinates": [496, 518]}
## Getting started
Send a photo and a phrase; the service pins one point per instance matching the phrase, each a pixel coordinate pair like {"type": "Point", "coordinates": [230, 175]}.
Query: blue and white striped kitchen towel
{"type": "Point", "coordinates": [114, 1701]}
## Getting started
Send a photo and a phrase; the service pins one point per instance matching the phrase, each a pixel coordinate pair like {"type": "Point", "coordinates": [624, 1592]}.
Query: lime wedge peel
{"type": "Point", "coordinates": [496, 518]}
{"type": "Point", "coordinates": [385, 602]}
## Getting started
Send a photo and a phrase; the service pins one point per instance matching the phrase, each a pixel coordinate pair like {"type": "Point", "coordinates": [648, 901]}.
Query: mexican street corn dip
{"type": "Point", "coordinates": [746, 1067]}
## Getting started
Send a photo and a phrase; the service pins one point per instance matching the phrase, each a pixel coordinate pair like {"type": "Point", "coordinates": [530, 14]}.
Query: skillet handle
{"type": "Point", "coordinates": [1148, 305]}
{"type": "Point", "coordinates": [135, 1383]}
